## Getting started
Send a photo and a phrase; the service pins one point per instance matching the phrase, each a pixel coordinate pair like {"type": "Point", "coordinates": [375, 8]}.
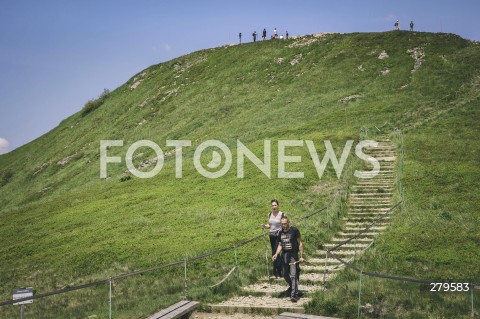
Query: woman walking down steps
{"type": "Point", "coordinates": [274, 226]}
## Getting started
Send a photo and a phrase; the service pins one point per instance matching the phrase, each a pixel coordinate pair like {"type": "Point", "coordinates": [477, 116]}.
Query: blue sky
{"type": "Point", "coordinates": [56, 55]}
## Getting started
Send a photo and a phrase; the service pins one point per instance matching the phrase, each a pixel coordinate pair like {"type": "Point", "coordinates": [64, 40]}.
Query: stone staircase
{"type": "Point", "coordinates": [368, 200]}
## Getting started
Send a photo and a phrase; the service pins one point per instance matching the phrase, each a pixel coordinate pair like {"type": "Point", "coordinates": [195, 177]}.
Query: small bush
{"type": "Point", "coordinates": [94, 104]}
{"type": "Point", "coordinates": [5, 177]}
{"type": "Point", "coordinates": [125, 178]}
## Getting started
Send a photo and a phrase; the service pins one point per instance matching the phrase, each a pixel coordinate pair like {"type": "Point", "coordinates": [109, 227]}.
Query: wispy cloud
{"type": "Point", "coordinates": [3, 145]}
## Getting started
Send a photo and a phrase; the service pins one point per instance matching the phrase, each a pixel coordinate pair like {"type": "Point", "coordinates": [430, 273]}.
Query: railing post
{"type": "Point", "coordinates": [359, 294]}
{"type": "Point", "coordinates": [341, 201]}
{"type": "Point", "coordinates": [355, 248]}
{"type": "Point", "coordinates": [185, 281]}
{"type": "Point", "coordinates": [110, 298]}
{"type": "Point", "coordinates": [236, 261]}
{"type": "Point", "coordinates": [471, 292]}
{"type": "Point", "coordinates": [325, 270]}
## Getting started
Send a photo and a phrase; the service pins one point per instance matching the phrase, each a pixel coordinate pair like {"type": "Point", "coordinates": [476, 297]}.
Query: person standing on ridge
{"type": "Point", "coordinates": [291, 247]}
{"type": "Point", "coordinates": [411, 25]}
{"type": "Point", "coordinates": [264, 34]}
{"type": "Point", "coordinates": [275, 33]}
{"type": "Point", "coordinates": [274, 226]}
{"type": "Point", "coordinates": [397, 25]}
{"type": "Point", "coordinates": [240, 37]}
{"type": "Point", "coordinates": [286, 35]}
{"type": "Point", "coordinates": [254, 34]}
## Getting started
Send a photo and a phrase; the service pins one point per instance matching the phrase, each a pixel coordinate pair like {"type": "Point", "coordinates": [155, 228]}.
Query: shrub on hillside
{"type": "Point", "coordinates": [125, 178]}
{"type": "Point", "coordinates": [94, 104]}
{"type": "Point", "coordinates": [5, 177]}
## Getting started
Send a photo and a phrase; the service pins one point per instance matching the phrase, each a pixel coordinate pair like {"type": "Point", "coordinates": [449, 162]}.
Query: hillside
{"type": "Point", "coordinates": [61, 223]}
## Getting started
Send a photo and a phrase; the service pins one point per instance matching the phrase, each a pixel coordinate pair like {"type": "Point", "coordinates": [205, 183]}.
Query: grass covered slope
{"type": "Point", "coordinates": [76, 225]}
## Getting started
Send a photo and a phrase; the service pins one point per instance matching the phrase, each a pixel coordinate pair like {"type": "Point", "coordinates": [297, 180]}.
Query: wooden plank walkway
{"type": "Point", "coordinates": [181, 309]}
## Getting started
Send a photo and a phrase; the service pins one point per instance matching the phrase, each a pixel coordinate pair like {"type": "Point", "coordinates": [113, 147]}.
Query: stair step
{"type": "Point", "coordinates": [373, 200]}
{"type": "Point", "coordinates": [369, 181]}
{"type": "Point", "coordinates": [374, 183]}
{"type": "Point", "coordinates": [365, 225]}
{"type": "Point", "coordinates": [321, 261]}
{"type": "Point", "coordinates": [377, 152]}
{"type": "Point", "coordinates": [316, 277]}
{"type": "Point", "coordinates": [366, 220]}
{"type": "Point", "coordinates": [386, 193]}
{"type": "Point", "coordinates": [380, 146]}
{"type": "Point", "coordinates": [370, 217]}
{"type": "Point", "coordinates": [352, 233]}
{"type": "Point", "coordinates": [380, 172]}
{"type": "Point", "coordinates": [382, 194]}
{"type": "Point", "coordinates": [379, 149]}
{"type": "Point", "coordinates": [341, 253]}
{"type": "Point", "coordinates": [288, 315]}
{"type": "Point", "coordinates": [366, 197]}
{"type": "Point", "coordinates": [322, 268]}
{"type": "Point", "coordinates": [378, 228]}
{"type": "Point", "coordinates": [371, 195]}
{"type": "Point", "coordinates": [275, 288]}
{"type": "Point", "coordinates": [367, 211]}
{"type": "Point", "coordinates": [381, 153]}
{"type": "Point", "coordinates": [370, 204]}
{"type": "Point", "coordinates": [349, 245]}
{"type": "Point", "coordinates": [377, 180]}
{"type": "Point", "coordinates": [363, 240]}
{"type": "Point", "coordinates": [215, 315]}
{"type": "Point", "coordinates": [386, 159]}
{"type": "Point", "coordinates": [264, 304]}
{"type": "Point", "coordinates": [389, 186]}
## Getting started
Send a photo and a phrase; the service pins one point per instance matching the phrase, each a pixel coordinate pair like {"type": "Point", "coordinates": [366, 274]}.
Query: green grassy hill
{"type": "Point", "coordinates": [61, 224]}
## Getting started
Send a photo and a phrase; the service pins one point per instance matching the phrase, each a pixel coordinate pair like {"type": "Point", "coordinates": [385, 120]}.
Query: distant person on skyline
{"type": "Point", "coordinates": [275, 33]}
{"type": "Point", "coordinates": [254, 34]}
{"type": "Point", "coordinates": [264, 35]}
{"type": "Point", "coordinates": [411, 25]}
{"type": "Point", "coordinates": [240, 37]}
{"type": "Point", "coordinates": [286, 35]}
{"type": "Point", "coordinates": [397, 25]}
